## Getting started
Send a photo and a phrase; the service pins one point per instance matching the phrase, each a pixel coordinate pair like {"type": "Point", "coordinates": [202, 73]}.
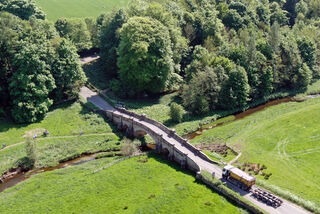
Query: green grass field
{"type": "Point", "coordinates": [64, 124]}
{"type": "Point", "coordinates": [50, 152]}
{"type": "Point", "coordinates": [56, 9]}
{"type": "Point", "coordinates": [130, 186]}
{"type": "Point", "coordinates": [285, 138]}
{"type": "Point", "coordinates": [65, 120]}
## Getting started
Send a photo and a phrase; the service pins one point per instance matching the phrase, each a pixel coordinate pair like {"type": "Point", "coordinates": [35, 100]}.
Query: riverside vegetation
{"type": "Point", "coordinates": [64, 141]}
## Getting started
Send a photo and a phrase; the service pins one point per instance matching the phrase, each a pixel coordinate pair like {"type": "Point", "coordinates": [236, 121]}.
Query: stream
{"type": "Point", "coordinates": [84, 158]}
{"type": "Point", "coordinates": [12, 181]}
{"type": "Point", "coordinates": [238, 116]}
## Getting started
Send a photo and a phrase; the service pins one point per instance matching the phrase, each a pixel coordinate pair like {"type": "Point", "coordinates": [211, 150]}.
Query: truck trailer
{"type": "Point", "coordinates": [238, 177]}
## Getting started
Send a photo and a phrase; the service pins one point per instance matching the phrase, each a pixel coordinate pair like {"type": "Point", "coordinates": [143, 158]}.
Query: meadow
{"type": "Point", "coordinates": [285, 138]}
{"type": "Point", "coordinates": [56, 9]}
{"type": "Point", "coordinates": [50, 152]}
{"type": "Point", "coordinates": [64, 142]}
{"type": "Point", "coordinates": [65, 120]}
{"type": "Point", "coordinates": [143, 184]}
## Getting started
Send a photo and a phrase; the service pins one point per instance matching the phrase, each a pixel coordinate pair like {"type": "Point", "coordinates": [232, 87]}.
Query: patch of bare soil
{"type": "Point", "coordinates": [220, 148]}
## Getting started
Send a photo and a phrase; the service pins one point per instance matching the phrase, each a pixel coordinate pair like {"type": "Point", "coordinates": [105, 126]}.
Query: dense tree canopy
{"type": "Point", "coordinates": [67, 71]}
{"type": "Point", "coordinates": [31, 83]}
{"type": "Point", "coordinates": [221, 54]}
{"type": "Point", "coordinates": [110, 39]}
{"type": "Point", "coordinates": [145, 55]}
{"type": "Point", "coordinates": [37, 67]}
{"type": "Point", "coordinates": [221, 51]}
{"type": "Point", "coordinates": [75, 30]}
{"type": "Point", "coordinates": [25, 9]}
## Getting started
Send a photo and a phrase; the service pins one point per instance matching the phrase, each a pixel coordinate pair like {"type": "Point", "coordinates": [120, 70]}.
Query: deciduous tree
{"type": "Point", "coordinates": [145, 56]}
{"type": "Point", "coordinates": [235, 91]}
{"type": "Point", "coordinates": [31, 82]}
{"type": "Point", "coordinates": [67, 71]}
{"type": "Point", "coordinates": [110, 39]}
{"type": "Point", "coordinates": [25, 9]}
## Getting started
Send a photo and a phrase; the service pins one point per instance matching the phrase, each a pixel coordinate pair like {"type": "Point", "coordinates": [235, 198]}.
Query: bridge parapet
{"type": "Point", "coordinates": [169, 132]}
{"type": "Point", "coordinates": [131, 120]}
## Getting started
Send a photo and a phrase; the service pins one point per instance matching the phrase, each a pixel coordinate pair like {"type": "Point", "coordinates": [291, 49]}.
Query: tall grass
{"type": "Point", "coordinates": [50, 152]}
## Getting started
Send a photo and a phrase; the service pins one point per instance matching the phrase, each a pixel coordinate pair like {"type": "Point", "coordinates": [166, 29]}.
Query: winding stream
{"type": "Point", "coordinates": [10, 182]}
{"type": "Point", "coordinates": [238, 116]}
{"type": "Point", "coordinates": [84, 158]}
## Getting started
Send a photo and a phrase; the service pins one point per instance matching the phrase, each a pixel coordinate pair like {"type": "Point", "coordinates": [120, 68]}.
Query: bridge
{"type": "Point", "coordinates": [174, 146]}
{"type": "Point", "coordinates": [167, 141]}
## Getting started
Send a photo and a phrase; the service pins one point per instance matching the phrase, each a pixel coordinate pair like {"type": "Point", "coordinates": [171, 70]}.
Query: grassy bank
{"type": "Point", "coordinates": [158, 108]}
{"type": "Point", "coordinates": [285, 139]}
{"type": "Point", "coordinates": [78, 8]}
{"type": "Point", "coordinates": [130, 186]}
{"type": "Point", "coordinates": [50, 152]}
{"type": "Point", "coordinates": [64, 120]}
{"type": "Point", "coordinates": [64, 124]}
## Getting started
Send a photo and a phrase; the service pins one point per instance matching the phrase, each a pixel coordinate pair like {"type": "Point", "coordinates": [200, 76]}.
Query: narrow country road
{"type": "Point", "coordinates": [286, 208]}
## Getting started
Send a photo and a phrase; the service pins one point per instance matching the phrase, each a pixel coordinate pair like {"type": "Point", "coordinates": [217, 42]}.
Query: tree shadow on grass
{"type": "Point", "coordinates": [163, 159]}
{"type": "Point", "coordinates": [8, 123]}
{"type": "Point", "coordinates": [87, 110]}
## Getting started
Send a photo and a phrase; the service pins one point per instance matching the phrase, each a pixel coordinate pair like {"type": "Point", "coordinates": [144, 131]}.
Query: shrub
{"type": "Point", "coordinates": [176, 112]}
{"type": "Point", "coordinates": [129, 147]}
{"type": "Point", "coordinates": [31, 151]}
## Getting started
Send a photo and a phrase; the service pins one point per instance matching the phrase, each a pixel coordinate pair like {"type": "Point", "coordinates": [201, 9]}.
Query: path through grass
{"type": "Point", "coordinates": [50, 152]}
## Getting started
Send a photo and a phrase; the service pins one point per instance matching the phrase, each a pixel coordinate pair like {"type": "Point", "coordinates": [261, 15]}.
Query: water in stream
{"type": "Point", "coordinates": [25, 175]}
{"type": "Point", "coordinates": [237, 117]}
